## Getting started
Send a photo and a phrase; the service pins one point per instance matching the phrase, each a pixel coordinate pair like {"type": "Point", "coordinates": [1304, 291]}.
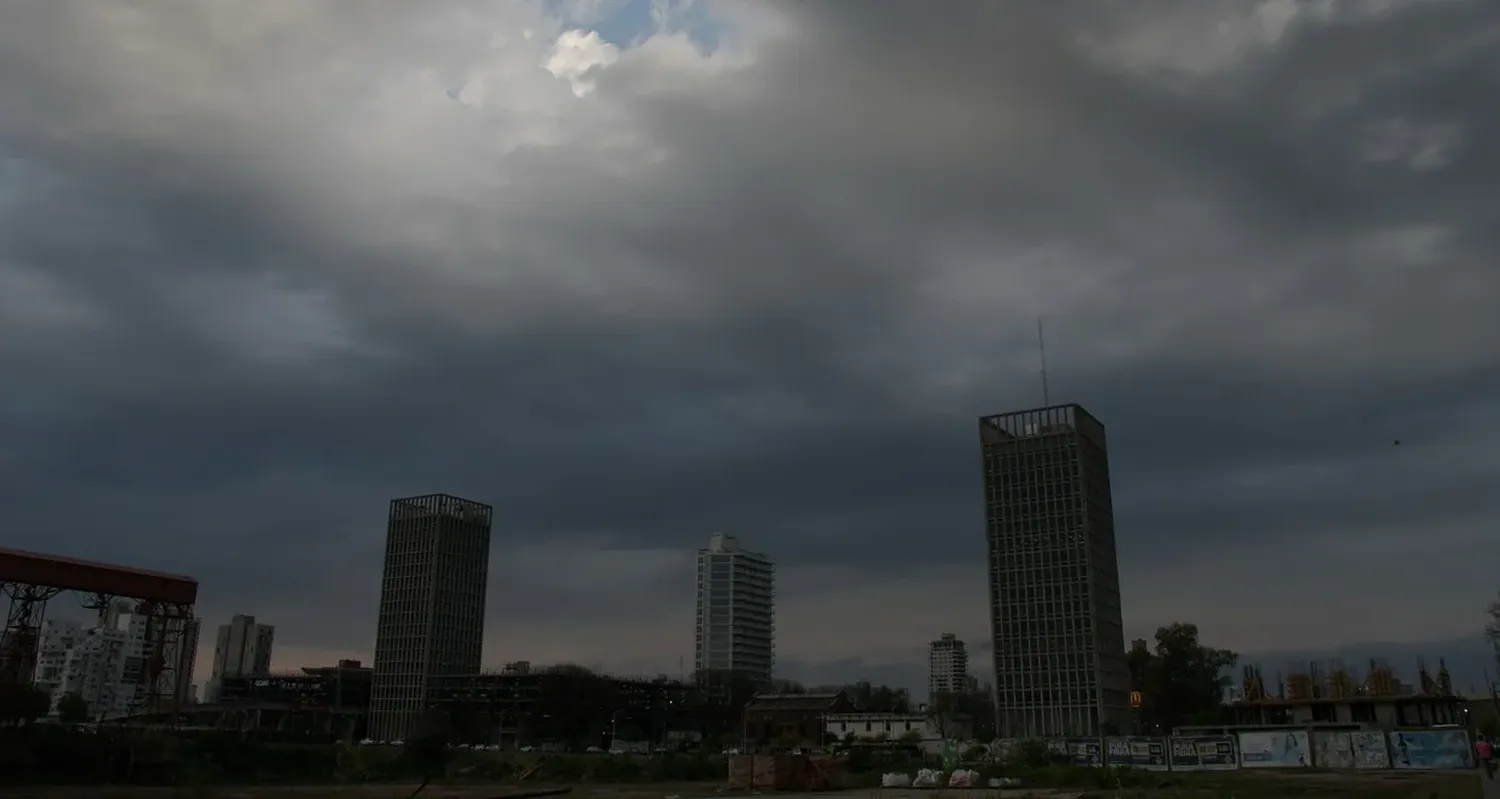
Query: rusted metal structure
{"type": "Point", "coordinates": [31, 579]}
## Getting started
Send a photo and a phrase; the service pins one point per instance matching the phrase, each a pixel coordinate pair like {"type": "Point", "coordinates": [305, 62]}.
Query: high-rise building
{"type": "Point", "coordinates": [736, 631]}
{"type": "Point", "coordinates": [107, 666]}
{"type": "Point", "coordinates": [1060, 665]}
{"type": "Point", "coordinates": [241, 648]}
{"type": "Point", "coordinates": [947, 666]}
{"type": "Point", "coordinates": [437, 556]}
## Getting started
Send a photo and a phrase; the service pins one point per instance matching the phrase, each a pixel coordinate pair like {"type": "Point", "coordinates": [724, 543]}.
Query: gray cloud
{"type": "Point", "coordinates": [262, 269]}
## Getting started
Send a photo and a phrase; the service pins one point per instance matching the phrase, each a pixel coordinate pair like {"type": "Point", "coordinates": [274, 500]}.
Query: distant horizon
{"type": "Point", "coordinates": [631, 273]}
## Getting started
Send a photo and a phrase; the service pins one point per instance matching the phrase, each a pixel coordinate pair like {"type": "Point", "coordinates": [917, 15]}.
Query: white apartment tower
{"type": "Point", "coordinates": [736, 630]}
{"type": "Point", "coordinates": [241, 648]}
{"type": "Point", "coordinates": [106, 665]}
{"type": "Point", "coordinates": [947, 666]}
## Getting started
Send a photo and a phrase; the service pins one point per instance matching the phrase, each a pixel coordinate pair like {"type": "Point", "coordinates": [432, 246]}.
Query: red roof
{"type": "Point", "coordinates": [74, 574]}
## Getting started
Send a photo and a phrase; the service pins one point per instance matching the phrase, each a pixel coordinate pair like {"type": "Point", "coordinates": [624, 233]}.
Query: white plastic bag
{"type": "Point", "coordinates": [928, 778]}
{"type": "Point", "coordinates": [895, 780]}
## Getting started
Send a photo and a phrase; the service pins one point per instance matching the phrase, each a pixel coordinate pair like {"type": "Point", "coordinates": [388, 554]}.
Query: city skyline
{"type": "Point", "coordinates": [756, 267]}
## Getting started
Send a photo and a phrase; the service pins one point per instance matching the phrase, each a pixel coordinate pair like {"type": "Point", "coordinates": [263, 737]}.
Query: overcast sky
{"type": "Point", "coordinates": [638, 272]}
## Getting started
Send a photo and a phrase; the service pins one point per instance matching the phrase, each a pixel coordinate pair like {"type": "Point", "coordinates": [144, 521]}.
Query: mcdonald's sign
{"type": "Point", "coordinates": [1135, 698]}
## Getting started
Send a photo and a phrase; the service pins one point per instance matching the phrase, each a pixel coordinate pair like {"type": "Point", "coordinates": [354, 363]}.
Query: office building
{"type": "Point", "coordinates": [1060, 665]}
{"type": "Point", "coordinates": [431, 624]}
{"type": "Point", "coordinates": [241, 648]}
{"type": "Point", "coordinates": [736, 631]}
{"type": "Point", "coordinates": [947, 666]}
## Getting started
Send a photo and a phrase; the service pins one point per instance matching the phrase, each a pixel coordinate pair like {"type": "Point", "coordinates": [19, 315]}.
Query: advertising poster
{"type": "Point", "coordinates": [1085, 752]}
{"type": "Point", "coordinates": [1333, 750]}
{"type": "Point", "coordinates": [1278, 749]}
{"type": "Point", "coordinates": [1431, 749]}
{"type": "Point", "coordinates": [1203, 753]}
{"type": "Point", "coordinates": [1369, 749]}
{"type": "Point", "coordinates": [1133, 752]}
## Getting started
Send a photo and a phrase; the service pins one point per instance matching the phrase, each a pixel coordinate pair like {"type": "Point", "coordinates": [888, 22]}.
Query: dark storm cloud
{"type": "Point", "coordinates": [764, 296]}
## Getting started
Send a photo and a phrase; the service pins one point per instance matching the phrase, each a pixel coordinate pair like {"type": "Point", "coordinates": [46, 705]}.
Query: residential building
{"type": "Point", "coordinates": [106, 665]}
{"type": "Point", "coordinates": [1059, 647]}
{"type": "Point", "coordinates": [736, 619]}
{"type": "Point", "coordinates": [947, 666]}
{"type": "Point", "coordinates": [242, 648]}
{"type": "Point", "coordinates": [431, 623]}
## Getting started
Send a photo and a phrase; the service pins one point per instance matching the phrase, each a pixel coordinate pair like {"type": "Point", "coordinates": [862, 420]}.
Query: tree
{"type": "Point", "coordinates": [22, 704]}
{"type": "Point", "coordinates": [878, 698]}
{"type": "Point", "coordinates": [976, 707]}
{"type": "Point", "coordinates": [1179, 680]}
{"type": "Point", "coordinates": [427, 750]}
{"type": "Point", "coordinates": [72, 709]}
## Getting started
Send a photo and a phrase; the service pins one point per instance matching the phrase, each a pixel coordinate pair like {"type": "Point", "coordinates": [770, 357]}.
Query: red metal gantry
{"type": "Point", "coordinates": [30, 579]}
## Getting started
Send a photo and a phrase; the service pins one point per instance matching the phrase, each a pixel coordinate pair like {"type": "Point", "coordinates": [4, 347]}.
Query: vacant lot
{"type": "Point", "coordinates": [697, 790]}
{"type": "Point", "coordinates": [1231, 785]}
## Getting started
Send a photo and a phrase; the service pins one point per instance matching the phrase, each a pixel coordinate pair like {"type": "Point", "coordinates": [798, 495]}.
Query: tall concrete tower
{"type": "Point", "coordinates": [1060, 663]}
{"type": "Point", "coordinates": [437, 555]}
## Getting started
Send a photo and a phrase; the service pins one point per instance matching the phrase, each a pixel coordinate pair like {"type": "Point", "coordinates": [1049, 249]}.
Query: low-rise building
{"type": "Point", "coordinates": [793, 719]}
{"type": "Point", "coordinates": [928, 730]}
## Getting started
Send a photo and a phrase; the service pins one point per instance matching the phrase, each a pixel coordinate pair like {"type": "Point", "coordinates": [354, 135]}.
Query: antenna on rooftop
{"type": "Point", "coordinates": [1041, 349]}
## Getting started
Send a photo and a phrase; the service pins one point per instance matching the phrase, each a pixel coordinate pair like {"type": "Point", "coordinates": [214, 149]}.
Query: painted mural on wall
{"type": "Point", "coordinates": [1431, 749]}
{"type": "Point", "coordinates": [1203, 753]}
{"type": "Point", "coordinates": [1369, 749]}
{"type": "Point", "coordinates": [1276, 749]}
{"type": "Point", "coordinates": [1333, 750]}
{"type": "Point", "coordinates": [1136, 752]}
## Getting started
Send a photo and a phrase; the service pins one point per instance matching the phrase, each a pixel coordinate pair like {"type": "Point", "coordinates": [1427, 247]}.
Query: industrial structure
{"type": "Point", "coordinates": [736, 618]}
{"type": "Point", "coordinates": [322, 703]}
{"type": "Point", "coordinates": [569, 706]}
{"type": "Point", "coordinates": [947, 666]}
{"type": "Point", "coordinates": [160, 603]}
{"type": "Point", "coordinates": [432, 594]}
{"type": "Point", "coordinates": [1060, 664]}
{"type": "Point", "coordinates": [1333, 694]}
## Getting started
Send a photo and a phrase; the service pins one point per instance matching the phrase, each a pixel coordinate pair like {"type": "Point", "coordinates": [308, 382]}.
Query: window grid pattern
{"type": "Point", "coordinates": [432, 597]}
{"type": "Point", "coordinates": [736, 618]}
{"type": "Point", "coordinates": [1059, 653]}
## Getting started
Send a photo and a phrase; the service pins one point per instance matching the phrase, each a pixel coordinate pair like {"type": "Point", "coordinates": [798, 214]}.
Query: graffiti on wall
{"type": "Point", "coordinates": [1276, 749]}
{"type": "Point", "coordinates": [1431, 749]}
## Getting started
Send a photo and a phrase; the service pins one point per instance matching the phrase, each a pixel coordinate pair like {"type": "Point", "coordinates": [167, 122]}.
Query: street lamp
{"type": "Point", "coordinates": [614, 726]}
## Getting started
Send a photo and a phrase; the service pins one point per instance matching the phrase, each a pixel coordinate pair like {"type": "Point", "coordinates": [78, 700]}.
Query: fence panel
{"type": "Point", "coordinates": [1203, 753]}
{"type": "Point", "coordinates": [1136, 752]}
{"type": "Point", "coordinates": [1274, 749]}
{"type": "Point", "coordinates": [1332, 749]}
{"type": "Point", "coordinates": [1369, 749]}
{"type": "Point", "coordinates": [1431, 749]}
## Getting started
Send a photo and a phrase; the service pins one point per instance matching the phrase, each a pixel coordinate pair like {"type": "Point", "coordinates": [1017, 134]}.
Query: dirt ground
{"type": "Point", "coordinates": [383, 791]}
